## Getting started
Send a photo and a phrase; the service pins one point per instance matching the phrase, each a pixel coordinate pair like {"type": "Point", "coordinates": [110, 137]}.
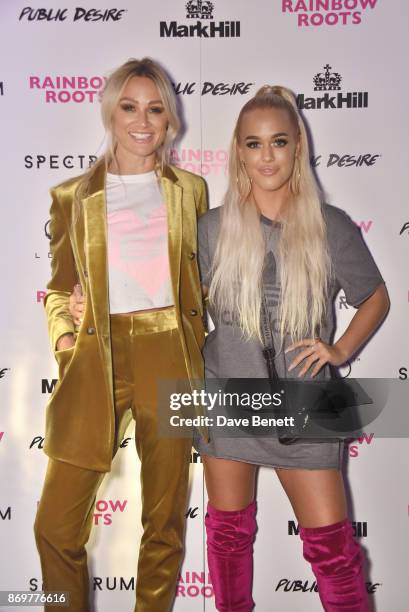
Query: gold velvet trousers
{"type": "Point", "coordinates": [145, 348]}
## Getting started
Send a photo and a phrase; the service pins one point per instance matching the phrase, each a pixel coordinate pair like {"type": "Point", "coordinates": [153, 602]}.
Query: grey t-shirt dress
{"type": "Point", "coordinates": [228, 355]}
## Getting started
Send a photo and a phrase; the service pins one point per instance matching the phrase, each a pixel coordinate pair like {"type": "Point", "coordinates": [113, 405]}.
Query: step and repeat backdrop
{"type": "Point", "coordinates": [346, 62]}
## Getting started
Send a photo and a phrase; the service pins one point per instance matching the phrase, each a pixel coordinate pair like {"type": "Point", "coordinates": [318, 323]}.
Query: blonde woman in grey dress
{"type": "Point", "coordinates": [274, 237]}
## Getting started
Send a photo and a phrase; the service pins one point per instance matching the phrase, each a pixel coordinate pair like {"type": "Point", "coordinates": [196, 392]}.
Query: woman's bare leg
{"type": "Point", "coordinates": [230, 484]}
{"type": "Point", "coordinates": [317, 496]}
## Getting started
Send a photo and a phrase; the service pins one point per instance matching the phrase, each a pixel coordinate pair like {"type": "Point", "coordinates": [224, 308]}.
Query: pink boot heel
{"type": "Point", "coordinates": [336, 560]}
{"type": "Point", "coordinates": [230, 537]}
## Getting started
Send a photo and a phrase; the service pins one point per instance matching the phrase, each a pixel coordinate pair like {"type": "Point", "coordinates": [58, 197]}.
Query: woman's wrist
{"type": "Point", "coordinates": [65, 341]}
{"type": "Point", "coordinates": [343, 354]}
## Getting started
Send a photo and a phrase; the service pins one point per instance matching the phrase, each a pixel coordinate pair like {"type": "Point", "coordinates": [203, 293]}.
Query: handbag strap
{"type": "Point", "coordinates": [268, 340]}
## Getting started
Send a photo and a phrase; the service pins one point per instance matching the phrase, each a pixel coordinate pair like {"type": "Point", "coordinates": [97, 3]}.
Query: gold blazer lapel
{"type": "Point", "coordinates": [95, 224]}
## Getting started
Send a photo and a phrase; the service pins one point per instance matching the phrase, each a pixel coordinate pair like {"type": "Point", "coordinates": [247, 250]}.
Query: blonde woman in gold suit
{"type": "Point", "coordinates": [109, 368]}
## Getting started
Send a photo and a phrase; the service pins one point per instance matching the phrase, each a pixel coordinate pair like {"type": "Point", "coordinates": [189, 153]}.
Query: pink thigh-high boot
{"type": "Point", "coordinates": [230, 537]}
{"type": "Point", "coordinates": [336, 560]}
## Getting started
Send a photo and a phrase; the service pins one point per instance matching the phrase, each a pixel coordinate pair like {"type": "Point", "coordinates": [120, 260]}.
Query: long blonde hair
{"type": "Point", "coordinates": [305, 266]}
{"type": "Point", "coordinates": [114, 86]}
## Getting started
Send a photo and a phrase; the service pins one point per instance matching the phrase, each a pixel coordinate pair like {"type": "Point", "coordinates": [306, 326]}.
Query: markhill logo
{"type": "Point", "coordinates": [204, 27]}
{"type": "Point", "coordinates": [331, 82]}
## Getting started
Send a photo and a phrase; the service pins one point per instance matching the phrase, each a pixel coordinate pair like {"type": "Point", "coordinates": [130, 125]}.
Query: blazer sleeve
{"type": "Point", "coordinates": [63, 275]}
{"type": "Point", "coordinates": [201, 201]}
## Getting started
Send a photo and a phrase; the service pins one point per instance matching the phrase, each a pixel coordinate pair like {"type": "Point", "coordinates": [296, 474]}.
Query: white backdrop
{"type": "Point", "coordinates": [51, 129]}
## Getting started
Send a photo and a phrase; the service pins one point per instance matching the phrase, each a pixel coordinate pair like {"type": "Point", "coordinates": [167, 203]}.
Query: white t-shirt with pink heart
{"type": "Point", "coordinates": [138, 261]}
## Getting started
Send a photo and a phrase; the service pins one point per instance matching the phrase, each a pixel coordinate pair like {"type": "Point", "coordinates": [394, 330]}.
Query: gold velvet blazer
{"type": "Point", "coordinates": [80, 424]}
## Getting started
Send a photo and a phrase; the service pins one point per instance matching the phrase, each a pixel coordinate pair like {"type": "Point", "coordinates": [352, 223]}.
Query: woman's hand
{"type": "Point", "coordinates": [365, 321]}
{"type": "Point", "coordinates": [77, 305]}
{"type": "Point", "coordinates": [317, 353]}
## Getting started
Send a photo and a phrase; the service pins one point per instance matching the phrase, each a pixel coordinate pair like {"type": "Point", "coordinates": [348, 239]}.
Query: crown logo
{"type": "Point", "coordinates": [199, 9]}
{"type": "Point", "coordinates": [327, 81]}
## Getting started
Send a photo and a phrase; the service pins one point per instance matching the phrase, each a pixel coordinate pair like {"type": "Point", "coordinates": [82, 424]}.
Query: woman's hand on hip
{"type": "Point", "coordinates": [77, 305]}
{"type": "Point", "coordinates": [316, 354]}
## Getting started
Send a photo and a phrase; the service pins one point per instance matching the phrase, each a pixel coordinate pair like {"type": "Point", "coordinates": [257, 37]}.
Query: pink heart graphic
{"type": "Point", "coordinates": [138, 248]}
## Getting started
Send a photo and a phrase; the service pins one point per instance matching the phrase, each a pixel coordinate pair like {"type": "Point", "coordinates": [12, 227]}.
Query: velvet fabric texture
{"type": "Point", "coordinates": [336, 560]}
{"type": "Point", "coordinates": [80, 421]}
{"type": "Point", "coordinates": [146, 347]}
{"type": "Point", "coordinates": [230, 537]}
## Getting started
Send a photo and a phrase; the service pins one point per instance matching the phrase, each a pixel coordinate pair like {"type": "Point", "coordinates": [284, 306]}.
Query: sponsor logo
{"type": "Point", "coordinates": [37, 442]}
{"type": "Point", "coordinates": [310, 586]}
{"type": "Point", "coordinates": [35, 584]}
{"type": "Point", "coordinates": [48, 386]}
{"type": "Point", "coordinates": [355, 445]}
{"type": "Point", "coordinates": [327, 12]}
{"type": "Point", "coordinates": [331, 82]}
{"type": "Point", "coordinates": [192, 512]}
{"type": "Point", "coordinates": [305, 586]}
{"type": "Point", "coordinates": [79, 14]}
{"type": "Point", "coordinates": [57, 162]}
{"type": "Point", "coordinates": [48, 236]}
{"type": "Point", "coordinates": [214, 89]}
{"type": "Point", "coordinates": [1, 435]}
{"type": "Point", "coordinates": [372, 587]}
{"type": "Point", "coordinates": [5, 515]}
{"type": "Point", "coordinates": [364, 226]}
{"type": "Point", "coordinates": [342, 301]}
{"type": "Point", "coordinates": [47, 229]}
{"type": "Point", "coordinates": [3, 372]}
{"type": "Point", "coordinates": [360, 529]}
{"type": "Point", "coordinates": [65, 89]}
{"type": "Point", "coordinates": [204, 26]}
{"type": "Point", "coordinates": [347, 160]}
{"type": "Point", "coordinates": [403, 373]}
{"type": "Point", "coordinates": [113, 583]}
{"type": "Point", "coordinates": [109, 583]}
{"type": "Point", "coordinates": [40, 295]}
{"type": "Point", "coordinates": [203, 162]}
{"type": "Point", "coordinates": [404, 228]}
{"type": "Point", "coordinates": [194, 584]}
{"type": "Point", "coordinates": [106, 508]}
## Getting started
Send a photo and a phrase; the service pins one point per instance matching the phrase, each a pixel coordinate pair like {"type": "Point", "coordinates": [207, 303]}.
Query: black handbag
{"type": "Point", "coordinates": [316, 406]}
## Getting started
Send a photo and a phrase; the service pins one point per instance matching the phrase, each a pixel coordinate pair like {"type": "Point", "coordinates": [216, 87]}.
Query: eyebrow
{"type": "Point", "coordinates": [273, 136]}
{"type": "Point", "coordinates": [136, 101]}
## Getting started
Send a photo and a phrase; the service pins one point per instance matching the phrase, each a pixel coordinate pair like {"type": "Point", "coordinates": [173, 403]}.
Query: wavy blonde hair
{"type": "Point", "coordinates": [114, 86]}
{"type": "Point", "coordinates": [305, 266]}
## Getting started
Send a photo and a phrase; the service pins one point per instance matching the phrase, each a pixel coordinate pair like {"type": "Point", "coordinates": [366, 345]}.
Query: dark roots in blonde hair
{"type": "Point", "coordinates": [273, 96]}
